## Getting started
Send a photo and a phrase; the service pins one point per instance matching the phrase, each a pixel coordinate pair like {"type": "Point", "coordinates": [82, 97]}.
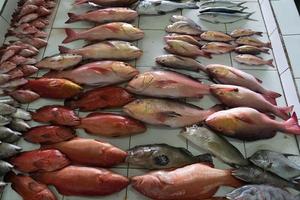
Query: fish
{"type": "Point", "coordinates": [249, 59]}
{"type": "Point", "coordinates": [217, 47]}
{"type": "Point", "coordinates": [214, 144]}
{"type": "Point", "coordinates": [217, 3]}
{"type": "Point", "coordinates": [20, 60]}
{"type": "Point", "coordinates": [105, 15]}
{"type": "Point", "coordinates": [8, 100]}
{"type": "Point", "coordinates": [83, 181]}
{"type": "Point", "coordinates": [13, 74]}
{"type": "Point", "coordinates": [180, 62]}
{"type": "Point", "coordinates": [5, 167]}
{"type": "Point", "coordinates": [59, 62]}
{"type": "Point", "coordinates": [40, 23]}
{"type": "Point", "coordinates": [186, 38]}
{"type": "Point", "coordinates": [28, 188]}
{"type": "Point", "coordinates": [241, 32]}
{"type": "Point", "coordinates": [255, 175]}
{"type": "Point", "coordinates": [161, 7]}
{"type": "Point", "coordinates": [236, 96]}
{"type": "Point", "coordinates": [107, 3]}
{"type": "Point", "coordinates": [39, 160]}
{"type": "Point", "coordinates": [284, 165]}
{"type": "Point", "coordinates": [14, 137]}
{"type": "Point", "coordinates": [168, 113]}
{"type": "Point", "coordinates": [253, 42]}
{"type": "Point", "coordinates": [5, 78]}
{"type": "Point", "coordinates": [14, 83]}
{"type": "Point", "coordinates": [221, 9]}
{"type": "Point", "coordinates": [19, 125]}
{"type": "Point", "coordinates": [100, 98]}
{"type": "Point", "coordinates": [215, 36]}
{"type": "Point", "coordinates": [4, 120]}
{"type": "Point", "coordinates": [27, 18]}
{"type": "Point", "coordinates": [260, 192]}
{"type": "Point", "coordinates": [167, 84]}
{"type": "Point", "coordinates": [54, 88]}
{"type": "Point", "coordinates": [196, 181]}
{"type": "Point", "coordinates": [27, 9]}
{"type": "Point", "coordinates": [248, 124]}
{"type": "Point", "coordinates": [186, 49]}
{"type": "Point", "coordinates": [110, 125]}
{"type": "Point", "coordinates": [34, 41]}
{"type": "Point", "coordinates": [24, 96]}
{"type": "Point", "coordinates": [224, 18]}
{"type": "Point", "coordinates": [247, 49]}
{"type": "Point", "coordinates": [96, 153]}
{"type": "Point", "coordinates": [192, 23]}
{"type": "Point", "coordinates": [6, 132]}
{"type": "Point", "coordinates": [233, 76]}
{"type": "Point", "coordinates": [6, 109]}
{"type": "Point", "coordinates": [7, 66]}
{"type": "Point", "coordinates": [163, 156]}
{"type": "Point", "coordinates": [49, 134]}
{"type": "Point", "coordinates": [55, 114]}
{"type": "Point", "coordinates": [115, 50]}
{"type": "Point", "coordinates": [114, 30]}
{"type": "Point", "coordinates": [8, 150]}
{"type": "Point", "coordinates": [100, 73]}
{"type": "Point", "coordinates": [183, 27]}
{"type": "Point", "coordinates": [21, 114]}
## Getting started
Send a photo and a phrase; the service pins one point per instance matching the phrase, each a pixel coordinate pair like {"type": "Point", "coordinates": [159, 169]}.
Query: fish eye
{"type": "Point", "coordinates": [162, 160]}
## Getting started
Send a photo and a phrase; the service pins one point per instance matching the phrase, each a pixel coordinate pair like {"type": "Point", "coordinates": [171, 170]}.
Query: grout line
{"type": "Point", "coordinates": [291, 34]}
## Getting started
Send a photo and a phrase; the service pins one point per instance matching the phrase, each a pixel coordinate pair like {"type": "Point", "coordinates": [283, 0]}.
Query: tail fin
{"type": "Point", "coordinates": [72, 18]}
{"type": "Point", "coordinates": [240, 4]}
{"type": "Point", "coordinates": [270, 63]}
{"type": "Point", "coordinates": [291, 125]}
{"type": "Point", "coordinates": [249, 15]}
{"type": "Point", "coordinates": [63, 49]}
{"type": "Point", "coordinates": [71, 35]}
{"type": "Point", "coordinates": [231, 181]}
{"type": "Point", "coordinates": [269, 45]}
{"type": "Point", "coordinates": [78, 2]}
{"type": "Point", "coordinates": [259, 33]}
{"type": "Point", "coordinates": [205, 54]}
{"type": "Point", "coordinates": [272, 94]}
{"type": "Point", "coordinates": [270, 99]}
{"type": "Point", "coordinates": [191, 5]}
{"type": "Point", "coordinates": [264, 50]}
{"type": "Point", "coordinates": [284, 112]}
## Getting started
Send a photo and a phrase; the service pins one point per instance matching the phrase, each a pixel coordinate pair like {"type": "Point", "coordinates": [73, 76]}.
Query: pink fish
{"type": "Point", "coordinates": [15, 73]}
{"type": "Point", "coordinates": [7, 66]}
{"type": "Point", "coordinates": [27, 18]}
{"type": "Point", "coordinates": [14, 83]}
{"type": "Point", "coordinates": [28, 70]}
{"type": "Point", "coordinates": [21, 30]}
{"type": "Point", "coordinates": [27, 9]}
{"type": "Point", "coordinates": [20, 60]}
{"type": "Point", "coordinates": [42, 11]}
{"type": "Point", "coordinates": [24, 96]}
{"type": "Point", "coordinates": [32, 2]}
{"type": "Point", "coordinates": [4, 78]}
{"type": "Point", "coordinates": [36, 42]}
{"type": "Point", "coordinates": [39, 23]}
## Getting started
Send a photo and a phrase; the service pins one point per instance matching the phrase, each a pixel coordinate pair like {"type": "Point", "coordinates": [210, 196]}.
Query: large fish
{"type": "Point", "coordinates": [183, 27]}
{"type": "Point", "coordinates": [167, 84]}
{"type": "Point", "coordinates": [215, 144]}
{"type": "Point", "coordinates": [192, 23]}
{"type": "Point", "coordinates": [166, 112]}
{"type": "Point", "coordinates": [90, 152]}
{"type": "Point", "coordinates": [8, 150]}
{"type": "Point", "coordinates": [110, 125]}
{"type": "Point", "coordinates": [163, 156]}
{"type": "Point", "coordinates": [100, 98]}
{"type": "Point", "coordinates": [224, 18]}
{"type": "Point", "coordinates": [232, 76]}
{"type": "Point", "coordinates": [99, 73]}
{"type": "Point", "coordinates": [105, 15]}
{"type": "Point", "coordinates": [114, 30]}
{"type": "Point", "coordinates": [39, 160]}
{"type": "Point", "coordinates": [116, 50]}
{"type": "Point", "coordinates": [59, 62]}
{"type": "Point", "coordinates": [196, 181]}
{"type": "Point", "coordinates": [107, 3]}
{"type": "Point", "coordinates": [249, 124]}
{"type": "Point", "coordinates": [55, 114]}
{"type": "Point", "coordinates": [54, 88]}
{"type": "Point", "coordinates": [236, 96]}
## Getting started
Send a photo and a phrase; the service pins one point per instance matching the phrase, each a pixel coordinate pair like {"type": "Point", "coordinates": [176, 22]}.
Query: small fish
{"type": "Point", "coordinates": [15, 73]}
{"type": "Point", "coordinates": [218, 3]}
{"type": "Point", "coordinates": [247, 49]}
{"type": "Point", "coordinates": [183, 48]}
{"type": "Point", "coordinates": [249, 59]}
{"type": "Point", "coordinates": [248, 124]}
{"type": "Point", "coordinates": [260, 192]}
{"type": "Point", "coordinates": [186, 38]}
{"type": "Point", "coordinates": [27, 9]}
{"type": "Point", "coordinates": [242, 32]}
{"type": "Point", "coordinates": [59, 115]}
{"type": "Point", "coordinates": [163, 156]}
{"type": "Point", "coordinates": [107, 3]}
{"type": "Point", "coordinates": [166, 112]}
{"type": "Point", "coordinates": [14, 83]}
{"type": "Point", "coordinates": [5, 167]}
{"type": "Point", "coordinates": [19, 125]}
{"type": "Point", "coordinates": [286, 166]}
{"type": "Point", "coordinates": [34, 41]}
{"type": "Point", "coordinates": [4, 120]}
{"type": "Point", "coordinates": [16, 136]}
{"type": "Point", "coordinates": [24, 96]}
{"type": "Point", "coordinates": [223, 18]}
{"type": "Point", "coordinates": [21, 114]}
{"type": "Point", "coordinates": [2, 186]}
{"type": "Point", "coordinates": [8, 150]}
{"type": "Point", "coordinates": [59, 62]}
{"type": "Point", "coordinates": [27, 18]}
{"type": "Point", "coordinates": [39, 23]}
{"type": "Point", "coordinates": [8, 100]}
{"type": "Point", "coordinates": [215, 36]}
{"type": "Point", "coordinates": [4, 78]}
{"type": "Point", "coordinates": [192, 23]}
{"type": "Point", "coordinates": [7, 66]}
{"type": "Point", "coordinates": [215, 144]}
{"type": "Point", "coordinates": [222, 10]}
{"type": "Point", "coordinates": [6, 109]}
{"type": "Point", "coordinates": [183, 27]}
{"type": "Point", "coordinates": [109, 31]}
{"type": "Point", "coordinates": [6, 132]}
{"type": "Point", "coordinates": [253, 42]}
{"type": "Point", "coordinates": [217, 47]}
{"type": "Point", "coordinates": [49, 134]}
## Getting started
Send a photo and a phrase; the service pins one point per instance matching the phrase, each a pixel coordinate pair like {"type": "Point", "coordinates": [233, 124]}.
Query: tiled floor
{"type": "Point", "coordinates": [152, 45]}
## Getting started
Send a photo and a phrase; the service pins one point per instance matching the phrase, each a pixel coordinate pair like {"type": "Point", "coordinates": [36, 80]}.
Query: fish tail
{"type": "Point", "coordinates": [270, 99]}
{"type": "Point", "coordinates": [259, 33]}
{"type": "Point", "coordinates": [205, 159]}
{"type": "Point", "coordinates": [231, 181]}
{"type": "Point", "coordinates": [205, 54]}
{"type": "Point", "coordinates": [284, 112]}
{"type": "Point", "coordinates": [270, 63]}
{"type": "Point", "coordinates": [269, 45]}
{"type": "Point", "coordinates": [78, 2]}
{"type": "Point", "coordinates": [71, 35]}
{"type": "Point", "coordinates": [72, 18]}
{"type": "Point", "coordinates": [272, 94]}
{"type": "Point", "coordinates": [240, 4]}
{"type": "Point", "coordinates": [291, 125]}
{"type": "Point", "coordinates": [63, 49]}
{"type": "Point", "coordinates": [265, 50]}
{"type": "Point", "coordinates": [249, 15]}
{"type": "Point", "coordinates": [191, 5]}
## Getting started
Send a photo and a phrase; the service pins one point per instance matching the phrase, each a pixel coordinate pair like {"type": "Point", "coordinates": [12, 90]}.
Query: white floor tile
{"type": "Point", "coordinates": [8, 10]}
{"type": "Point", "coordinates": [268, 16]}
{"type": "Point", "coordinates": [4, 26]}
{"type": "Point", "coordinates": [292, 44]}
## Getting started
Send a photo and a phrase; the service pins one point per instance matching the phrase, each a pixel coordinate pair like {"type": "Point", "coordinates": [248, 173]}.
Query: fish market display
{"type": "Point", "coordinates": [100, 73]}
{"type": "Point", "coordinates": [187, 38]}
{"type": "Point", "coordinates": [116, 50]}
{"type": "Point", "coordinates": [8, 150]}
{"type": "Point", "coordinates": [95, 153]}
{"type": "Point", "coordinates": [252, 60]}
{"type": "Point", "coordinates": [83, 181]}
{"type": "Point", "coordinates": [107, 3]}
{"type": "Point", "coordinates": [215, 36]}
{"type": "Point", "coordinates": [166, 112]}
{"type": "Point", "coordinates": [39, 160]}
{"type": "Point", "coordinates": [247, 49]}
{"type": "Point", "coordinates": [224, 18]}
{"type": "Point", "coordinates": [100, 98]}
{"type": "Point", "coordinates": [183, 27]}
{"type": "Point", "coordinates": [249, 124]}
{"type": "Point", "coordinates": [105, 15]}
{"type": "Point", "coordinates": [217, 47]}
{"type": "Point", "coordinates": [215, 144]}
{"type": "Point", "coordinates": [166, 84]}
{"type": "Point", "coordinates": [253, 42]}
{"type": "Point", "coordinates": [110, 125]}
{"type": "Point", "coordinates": [163, 156]}
{"type": "Point", "coordinates": [196, 181]}
{"type": "Point", "coordinates": [241, 32]}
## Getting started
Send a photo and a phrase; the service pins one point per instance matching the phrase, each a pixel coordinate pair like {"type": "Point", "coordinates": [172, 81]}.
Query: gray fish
{"type": "Point", "coordinates": [286, 166]}
{"type": "Point", "coordinates": [19, 125]}
{"type": "Point", "coordinates": [214, 144]}
{"type": "Point", "coordinates": [256, 175]}
{"type": "Point", "coordinates": [9, 100]}
{"type": "Point", "coordinates": [5, 167]}
{"type": "Point", "coordinates": [248, 49]}
{"type": "Point", "coordinates": [8, 150]}
{"type": "Point", "coordinates": [224, 18]}
{"type": "Point", "coordinates": [163, 156]}
{"type": "Point", "coordinates": [13, 138]}
{"type": "Point", "coordinates": [183, 27]}
{"type": "Point", "coordinates": [21, 114]}
{"type": "Point", "coordinates": [222, 10]}
{"type": "Point", "coordinates": [6, 109]}
{"type": "Point", "coordinates": [225, 3]}
{"type": "Point", "coordinates": [4, 120]}
{"type": "Point", "coordinates": [6, 132]}
{"type": "Point", "coordinates": [176, 18]}
{"type": "Point", "coordinates": [260, 192]}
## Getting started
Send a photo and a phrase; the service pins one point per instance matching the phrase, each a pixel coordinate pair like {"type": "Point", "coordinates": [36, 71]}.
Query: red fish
{"type": "Point", "coordinates": [49, 134]}
{"type": "Point", "coordinates": [40, 160]}
{"type": "Point", "coordinates": [53, 88]}
{"type": "Point", "coordinates": [24, 96]}
{"type": "Point", "coordinates": [90, 152]}
{"type": "Point", "coordinates": [99, 98]}
{"type": "Point", "coordinates": [112, 125]}
{"type": "Point", "coordinates": [56, 114]}
{"type": "Point", "coordinates": [84, 181]}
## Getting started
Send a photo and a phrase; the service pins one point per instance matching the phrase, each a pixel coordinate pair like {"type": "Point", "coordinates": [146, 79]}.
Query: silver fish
{"type": "Point", "coordinates": [19, 125]}
{"type": "Point", "coordinates": [5, 167]}
{"type": "Point", "coordinates": [4, 120]}
{"type": "Point", "coordinates": [176, 18]}
{"type": "Point", "coordinates": [249, 59]}
{"type": "Point", "coordinates": [6, 132]}
{"type": "Point", "coordinates": [225, 3]}
{"type": "Point", "coordinates": [9, 100]}
{"type": "Point", "coordinates": [183, 27]}
{"type": "Point", "coordinates": [214, 144]}
{"type": "Point", "coordinates": [223, 18]}
{"type": "Point", "coordinates": [59, 62]}
{"type": "Point", "coordinates": [6, 109]}
{"type": "Point", "coordinates": [21, 114]}
{"type": "Point", "coordinates": [8, 150]}
{"type": "Point", "coordinates": [222, 10]}
{"type": "Point", "coordinates": [13, 138]}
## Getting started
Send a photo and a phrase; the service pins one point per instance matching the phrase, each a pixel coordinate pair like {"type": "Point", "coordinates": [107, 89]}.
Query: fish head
{"type": "Point", "coordinates": [223, 123]}
{"type": "Point", "coordinates": [162, 59]}
{"type": "Point", "coordinates": [244, 193]}
{"type": "Point", "coordinates": [131, 30]}
{"type": "Point", "coordinates": [135, 51]}
{"type": "Point", "coordinates": [175, 44]}
{"type": "Point", "coordinates": [217, 71]}
{"type": "Point", "coordinates": [224, 91]}
{"type": "Point", "coordinates": [124, 70]}
{"type": "Point", "coordinates": [260, 158]}
{"type": "Point", "coordinates": [140, 82]}
{"type": "Point", "coordinates": [248, 173]}
{"type": "Point", "coordinates": [141, 156]}
{"type": "Point", "coordinates": [137, 107]}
